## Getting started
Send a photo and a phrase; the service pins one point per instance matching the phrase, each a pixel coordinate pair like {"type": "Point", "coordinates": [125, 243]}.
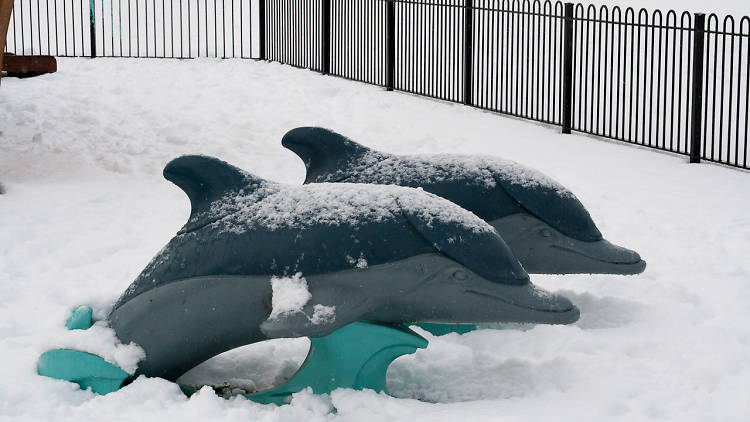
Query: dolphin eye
{"type": "Point", "coordinates": [460, 275]}
{"type": "Point", "coordinates": [545, 232]}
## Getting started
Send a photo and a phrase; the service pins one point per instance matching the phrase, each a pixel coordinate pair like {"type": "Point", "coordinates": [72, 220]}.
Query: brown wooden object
{"type": "Point", "coordinates": [6, 6]}
{"type": "Point", "coordinates": [27, 66]}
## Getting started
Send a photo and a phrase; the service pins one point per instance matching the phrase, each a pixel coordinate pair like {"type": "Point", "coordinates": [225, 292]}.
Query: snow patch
{"type": "Point", "coordinates": [359, 263]}
{"type": "Point", "coordinates": [290, 295]}
{"type": "Point", "coordinates": [323, 314]}
{"type": "Point", "coordinates": [99, 340]}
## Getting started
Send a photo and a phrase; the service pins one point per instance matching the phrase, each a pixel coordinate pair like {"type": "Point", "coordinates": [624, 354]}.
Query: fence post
{"type": "Point", "coordinates": [262, 29]}
{"type": "Point", "coordinates": [697, 90]}
{"type": "Point", "coordinates": [326, 30]}
{"type": "Point", "coordinates": [468, 51]}
{"type": "Point", "coordinates": [567, 74]}
{"type": "Point", "coordinates": [92, 28]}
{"type": "Point", "coordinates": [390, 55]}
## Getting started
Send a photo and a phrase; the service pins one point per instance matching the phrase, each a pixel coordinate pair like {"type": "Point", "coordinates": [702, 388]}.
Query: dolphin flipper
{"type": "Point", "coordinates": [484, 252]}
{"type": "Point", "coordinates": [548, 200]}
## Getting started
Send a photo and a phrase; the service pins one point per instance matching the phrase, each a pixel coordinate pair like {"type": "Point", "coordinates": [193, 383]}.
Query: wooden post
{"type": "Point", "coordinates": [6, 7]}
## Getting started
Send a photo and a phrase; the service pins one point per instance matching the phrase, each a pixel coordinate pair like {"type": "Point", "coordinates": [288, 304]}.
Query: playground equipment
{"type": "Point", "coordinates": [544, 224]}
{"type": "Point", "coordinates": [375, 259]}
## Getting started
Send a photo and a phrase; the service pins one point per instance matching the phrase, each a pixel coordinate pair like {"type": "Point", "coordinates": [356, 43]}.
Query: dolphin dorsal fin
{"type": "Point", "coordinates": [328, 156]}
{"type": "Point", "coordinates": [205, 180]}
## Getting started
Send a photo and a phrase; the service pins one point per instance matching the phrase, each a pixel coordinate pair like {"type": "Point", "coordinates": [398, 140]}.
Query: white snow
{"type": "Point", "coordinates": [101, 341]}
{"type": "Point", "coordinates": [86, 208]}
{"type": "Point", "coordinates": [446, 167]}
{"type": "Point", "coordinates": [335, 204]}
{"type": "Point", "coordinates": [359, 263]}
{"type": "Point", "coordinates": [289, 295]}
{"type": "Point", "coordinates": [323, 314]}
{"type": "Point", "coordinates": [249, 367]}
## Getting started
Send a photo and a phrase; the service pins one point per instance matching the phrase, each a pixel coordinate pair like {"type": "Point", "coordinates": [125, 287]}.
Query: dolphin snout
{"type": "Point", "coordinates": [542, 249]}
{"type": "Point", "coordinates": [530, 303]}
{"type": "Point", "coordinates": [528, 296]}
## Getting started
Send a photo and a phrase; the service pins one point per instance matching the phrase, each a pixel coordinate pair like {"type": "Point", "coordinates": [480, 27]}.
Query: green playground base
{"type": "Point", "coordinates": [85, 369]}
{"type": "Point", "coordinates": [356, 356]}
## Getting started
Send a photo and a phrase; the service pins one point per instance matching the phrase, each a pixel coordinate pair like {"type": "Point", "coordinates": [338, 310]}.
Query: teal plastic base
{"type": "Point", "coordinates": [356, 356]}
{"type": "Point", "coordinates": [80, 319]}
{"type": "Point", "coordinates": [84, 369]}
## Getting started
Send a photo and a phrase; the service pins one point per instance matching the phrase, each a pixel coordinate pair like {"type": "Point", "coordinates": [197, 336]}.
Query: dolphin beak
{"type": "Point", "coordinates": [529, 303]}
{"type": "Point", "coordinates": [542, 249]}
{"type": "Point", "coordinates": [577, 257]}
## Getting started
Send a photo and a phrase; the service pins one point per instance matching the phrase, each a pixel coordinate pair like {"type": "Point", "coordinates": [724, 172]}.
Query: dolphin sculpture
{"type": "Point", "coordinates": [545, 225]}
{"type": "Point", "coordinates": [383, 254]}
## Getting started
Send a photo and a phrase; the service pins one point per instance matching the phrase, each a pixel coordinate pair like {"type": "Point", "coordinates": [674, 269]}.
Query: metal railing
{"type": "Point", "coordinates": [673, 81]}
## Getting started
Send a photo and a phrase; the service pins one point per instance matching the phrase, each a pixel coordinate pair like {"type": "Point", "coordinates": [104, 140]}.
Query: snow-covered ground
{"type": "Point", "coordinates": [81, 153]}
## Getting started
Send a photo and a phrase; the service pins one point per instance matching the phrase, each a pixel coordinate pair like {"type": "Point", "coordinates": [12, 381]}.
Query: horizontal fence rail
{"type": "Point", "coordinates": [674, 81]}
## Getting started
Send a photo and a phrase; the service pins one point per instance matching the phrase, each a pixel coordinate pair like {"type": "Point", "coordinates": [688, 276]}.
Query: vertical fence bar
{"type": "Point", "coordinates": [468, 51]}
{"type": "Point", "coordinates": [697, 88]}
{"type": "Point", "coordinates": [567, 74]}
{"type": "Point", "coordinates": [390, 58]}
{"type": "Point", "coordinates": [261, 30]}
{"type": "Point", "coordinates": [92, 28]}
{"type": "Point", "coordinates": [325, 51]}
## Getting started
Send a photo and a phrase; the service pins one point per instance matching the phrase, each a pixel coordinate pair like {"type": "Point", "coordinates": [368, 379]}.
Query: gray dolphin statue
{"type": "Point", "coordinates": [382, 254]}
{"type": "Point", "coordinates": [544, 224]}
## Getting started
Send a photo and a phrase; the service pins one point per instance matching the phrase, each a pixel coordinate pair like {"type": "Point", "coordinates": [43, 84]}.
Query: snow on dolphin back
{"type": "Point", "coordinates": [497, 187]}
{"type": "Point", "coordinates": [342, 204]}
{"type": "Point", "coordinates": [436, 168]}
{"type": "Point", "coordinates": [516, 188]}
{"type": "Point", "coordinates": [266, 228]}
{"type": "Point", "coordinates": [446, 227]}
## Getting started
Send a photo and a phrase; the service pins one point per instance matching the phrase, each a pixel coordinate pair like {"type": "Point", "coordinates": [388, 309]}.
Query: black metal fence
{"type": "Point", "coordinates": [674, 81]}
